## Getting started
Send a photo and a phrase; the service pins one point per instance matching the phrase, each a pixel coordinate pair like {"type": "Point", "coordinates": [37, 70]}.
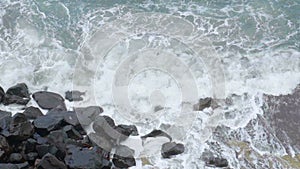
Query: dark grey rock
{"type": "Point", "coordinates": [32, 156]}
{"type": "Point", "coordinates": [32, 112]}
{"type": "Point", "coordinates": [50, 161]}
{"type": "Point", "coordinates": [49, 100]}
{"type": "Point", "coordinates": [18, 94]}
{"type": "Point", "coordinates": [171, 148]}
{"type": "Point", "coordinates": [86, 115]}
{"type": "Point", "coordinates": [85, 158]}
{"type": "Point", "coordinates": [124, 157]}
{"type": "Point", "coordinates": [72, 132]}
{"type": "Point", "coordinates": [47, 123]}
{"type": "Point", "coordinates": [130, 128]}
{"type": "Point", "coordinates": [19, 128]}
{"type": "Point", "coordinates": [15, 158]}
{"type": "Point", "coordinates": [8, 166]}
{"type": "Point", "coordinates": [69, 117]}
{"type": "Point", "coordinates": [4, 147]}
{"type": "Point", "coordinates": [203, 103]}
{"type": "Point", "coordinates": [74, 95]}
{"type": "Point", "coordinates": [46, 148]}
{"type": "Point", "coordinates": [30, 145]}
{"type": "Point", "coordinates": [101, 141]}
{"type": "Point", "coordinates": [217, 162]}
{"type": "Point", "coordinates": [157, 133]}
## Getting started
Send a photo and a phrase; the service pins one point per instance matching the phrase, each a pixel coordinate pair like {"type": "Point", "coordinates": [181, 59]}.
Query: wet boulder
{"type": "Point", "coordinates": [31, 157]}
{"type": "Point", "coordinates": [86, 115]}
{"type": "Point", "coordinates": [46, 148]}
{"type": "Point", "coordinates": [47, 123]}
{"type": "Point", "coordinates": [74, 95]}
{"type": "Point", "coordinates": [32, 112]}
{"type": "Point", "coordinates": [217, 162]}
{"type": "Point", "coordinates": [85, 158]}
{"type": "Point", "coordinates": [50, 161]}
{"type": "Point", "coordinates": [157, 133]}
{"type": "Point", "coordinates": [8, 166]}
{"type": "Point", "coordinates": [171, 148]}
{"type": "Point", "coordinates": [131, 129]}
{"type": "Point", "coordinates": [17, 94]}
{"type": "Point", "coordinates": [72, 132]}
{"type": "Point", "coordinates": [124, 157]}
{"type": "Point", "coordinates": [203, 103]}
{"type": "Point", "coordinates": [49, 100]}
{"type": "Point", "coordinates": [68, 117]}
{"type": "Point", "coordinates": [19, 128]}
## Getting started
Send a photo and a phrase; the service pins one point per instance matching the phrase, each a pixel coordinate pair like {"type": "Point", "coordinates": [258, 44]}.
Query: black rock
{"type": "Point", "coordinates": [72, 132]}
{"type": "Point", "coordinates": [106, 125]}
{"type": "Point", "coordinates": [130, 128]}
{"type": "Point", "coordinates": [203, 103]}
{"type": "Point", "coordinates": [5, 118]}
{"type": "Point", "coordinates": [171, 148]}
{"type": "Point", "coordinates": [157, 133]}
{"type": "Point", "coordinates": [124, 157]}
{"type": "Point", "coordinates": [4, 147]}
{"type": "Point", "coordinates": [2, 94]}
{"type": "Point", "coordinates": [217, 162]}
{"type": "Point", "coordinates": [50, 161]}
{"type": "Point", "coordinates": [74, 95]}
{"type": "Point", "coordinates": [49, 100]}
{"type": "Point", "coordinates": [86, 115]}
{"type": "Point", "coordinates": [85, 158]}
{"type": "Point", "coordinates": [18, 94]}
{"type": "Point", "coordinates": [47, 123]}
{"type": "Point", "coordinates": [40, 139]}
{"type": "Point", "coordinates": [59, 139]}
{"type": "Point", "coordinates": [69, 117]}
{"type": "Point", "coordinates": [31, 156]}
{"type": "Point", "coordinates": [30, 145]}
{"type": "Point", "coordinates": [15, 158]}
{"type": "Point", "coordinates": [32, 112]}
{"type": "Point", "coordinates": [46, 148]}
{"type": "Point", "coordinates": [19, 128]}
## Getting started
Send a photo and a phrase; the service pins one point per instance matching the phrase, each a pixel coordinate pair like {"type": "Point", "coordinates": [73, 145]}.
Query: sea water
{"type": "Point", "coordinates": [148, 62]}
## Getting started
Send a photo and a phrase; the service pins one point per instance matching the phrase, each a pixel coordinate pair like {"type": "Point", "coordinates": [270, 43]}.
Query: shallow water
{"type": "Point", "coordinates": [133, 56]}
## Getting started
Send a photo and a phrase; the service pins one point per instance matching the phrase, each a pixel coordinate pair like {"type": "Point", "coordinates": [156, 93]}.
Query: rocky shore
{"type": "Point", "coordinates": [57, 139]}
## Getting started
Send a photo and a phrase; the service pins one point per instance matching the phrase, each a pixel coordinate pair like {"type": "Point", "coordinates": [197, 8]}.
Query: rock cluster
{"type": "Point", "coordinates": [57, 140]}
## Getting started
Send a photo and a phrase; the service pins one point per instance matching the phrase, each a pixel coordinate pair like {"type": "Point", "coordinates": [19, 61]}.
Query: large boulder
{"type": "Point", "coordinates": [32, 112]}
{"type": "Point", "coordinates": [86, 115]}
{"type": "Point", "coordinates": [4, 147]}
{"type": "Point", "coordinates": [18, 94]}
{"type": "Point", "coordinates": [49, 100]}
{"type": "Point", "coordinates": [171, 148]}
{"type": "Point", "coordinates": [50, 161]}
{"type": "Point", "coordinates": [124, 157]}
{"type": "Point", "coordinates": [47, 123]}
{"type": "Point", "coordinates": [19, 128]}
{"type": "Point", "coordinates": [85, 158]}
{"type": "Point", "coordinates": [217, 162]}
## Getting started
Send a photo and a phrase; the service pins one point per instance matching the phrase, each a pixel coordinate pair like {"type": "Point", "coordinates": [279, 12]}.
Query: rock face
{"type": "Point", "coordinates": [32, 112]}
{"type": "Point", "coordinates": [50, 161]}
{"type": "Point", "coordinates": [74, 95]}
{"type": "Point", "coordinates": [283, 114]}
{"type": "Point", "coordinates": [171, 148]}
{"type": "Point", "coordinates": [49, 100]}
{"type": "Point", "coordinates": [124, 157]}
{"type": "Point", "coordinates": [18, 94]}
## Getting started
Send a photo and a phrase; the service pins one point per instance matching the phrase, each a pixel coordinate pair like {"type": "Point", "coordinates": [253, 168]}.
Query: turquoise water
{"type": "Point", "coordinates": [44, 42]}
